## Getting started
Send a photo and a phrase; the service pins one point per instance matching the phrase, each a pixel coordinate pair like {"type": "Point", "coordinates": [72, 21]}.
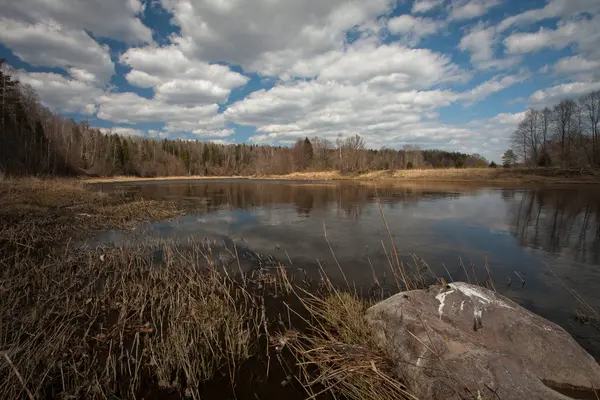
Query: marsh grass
{"type": "Point", "coordinates": [81, 323]}
{"type": "Point", "coordinates": [336, 354]}
{"type": "Point", "coordinates": [102, 322]}
{"type": "Point", "coordinates": [460, 175]}
{"type": "Point", "coordinates": [36, 214]}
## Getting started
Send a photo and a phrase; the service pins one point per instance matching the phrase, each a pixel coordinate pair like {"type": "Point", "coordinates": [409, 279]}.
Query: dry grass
{"type": "Point", "coordinates": [79, 323]}
{"type": "Point", "coordinates": [336, 355]}
{"type": "Point", "coordinates": [115, 179]}
{"type": "Point", "coordinates": [35, 213]}
{"type": "Point", "coordinates": [513, 176]}
{"type": "Point", "coordinates": [101, 323]}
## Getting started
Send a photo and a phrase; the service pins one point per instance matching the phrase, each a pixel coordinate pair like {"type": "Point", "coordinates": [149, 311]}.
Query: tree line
{"type": "Point", "coordinates": [36, 141]}
{"type": "Point", "coordinates": [566, 135]}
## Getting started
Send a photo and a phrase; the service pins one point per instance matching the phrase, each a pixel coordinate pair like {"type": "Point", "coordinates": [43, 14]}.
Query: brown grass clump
{"type": "Point", "coordinates": [35, 213]}
{"type": "Point", "coordinates": [79, 323]}
{"type": "Point", "coordinates": [117, 323]}
{"type": "Point", "coordinates": [505, 176]}
{"type": "Point", "coordinates": [336, 354]}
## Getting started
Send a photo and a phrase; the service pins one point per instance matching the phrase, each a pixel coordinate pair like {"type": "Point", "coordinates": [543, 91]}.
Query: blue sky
{"type": "Point", "coordinates": [447, 74]}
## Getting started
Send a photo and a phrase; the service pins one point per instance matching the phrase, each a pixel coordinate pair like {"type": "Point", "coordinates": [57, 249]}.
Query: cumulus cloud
{"type": "Point", "coordinates": [493, 85]}
{"type": "Point", "coordinates": [423, 6]}
{"type": "Point", "coordinates": [480, 41]}
{"type": "Point", "coordinates": [552, 9]}
{"type": "Point", "coordinates": [109, 18]}
{"type": "Point", "coordinates": [328, 109]}
{"type": "Point", "coordinates": [52, 45]}
{"type": "Point", "coordinates": [413, 29]}
{"type": "Point", "coordinates": [391, 66]}
{"type": "Point", "coordinates": [468, 9]}
{"type": "Point", "coordinates": [554, 94]}
{"type": "Point", "coordinates": [584, 32]}
{"type": "Point", "coordinates": [578, 66]}
{"type": "Point", "coordinates": [268, 40]}
{"type": "Point", "coordinates": [60, 93]}
{"type": "Point", "coordinates": [181, 80]}
{"type": "Point", "coordinates": [131, 108]}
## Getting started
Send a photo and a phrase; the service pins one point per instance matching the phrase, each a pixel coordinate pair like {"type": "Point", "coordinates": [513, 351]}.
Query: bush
{"type": "Point", "coordinates": [493, 165]}
{"type": "Point", "coordinates": [544, 160]}
{"type": "Point", "coordinates": [409, 165]}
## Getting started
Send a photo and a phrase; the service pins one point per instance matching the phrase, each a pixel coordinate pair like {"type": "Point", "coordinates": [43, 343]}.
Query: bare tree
{"type": "Point", "coordinates": [352, 154]}
{"type": "Point", "coordinates": [546, 122]}
{"type": "Point", "coordinates": [526, 138]}
{"type": "Point", "coordinates": [321, 153]}
{"type": "Point", "coordinates": [590, 104]}
{"type": "Point", "coordinates": [564, 114]}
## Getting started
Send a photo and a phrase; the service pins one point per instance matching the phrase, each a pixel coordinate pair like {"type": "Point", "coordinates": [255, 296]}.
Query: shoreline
{"type": "Point", "coordinates": [533, 176]}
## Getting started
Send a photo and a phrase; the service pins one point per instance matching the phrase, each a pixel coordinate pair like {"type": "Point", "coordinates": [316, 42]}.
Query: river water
{"type": "Point", "coordinates": [548, 237]}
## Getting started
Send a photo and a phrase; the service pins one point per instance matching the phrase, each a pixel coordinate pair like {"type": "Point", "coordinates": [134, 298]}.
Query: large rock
{"type": "Point", "coordinates": [465, 341]}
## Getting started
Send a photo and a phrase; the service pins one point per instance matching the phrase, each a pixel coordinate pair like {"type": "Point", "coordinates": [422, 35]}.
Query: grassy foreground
{"type": "Point", "coordinates": [509, 176]}
{"type": "Point", "coordinates": [123, 323]}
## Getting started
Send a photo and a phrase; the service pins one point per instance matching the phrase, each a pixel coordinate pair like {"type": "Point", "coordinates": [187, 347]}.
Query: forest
{"type": "Point", "coordinates": [36, 141]}
{"type": "Point", "coordinates": [564, 136]}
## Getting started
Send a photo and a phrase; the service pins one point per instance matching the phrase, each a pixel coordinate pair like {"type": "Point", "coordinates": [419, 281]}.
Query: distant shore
{"type": "Point", "coordinates": [469, 175]}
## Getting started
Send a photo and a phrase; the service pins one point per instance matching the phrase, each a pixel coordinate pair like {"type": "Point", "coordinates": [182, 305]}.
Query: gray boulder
{"type": "Point", "coordinates": [463, 341]}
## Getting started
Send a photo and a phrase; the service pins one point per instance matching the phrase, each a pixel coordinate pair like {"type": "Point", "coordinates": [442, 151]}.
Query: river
{"type": "Point", "coordinates": [548, 237]}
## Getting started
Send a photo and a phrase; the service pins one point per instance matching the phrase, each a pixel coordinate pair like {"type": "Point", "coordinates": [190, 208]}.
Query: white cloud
{"type": "Point", "coordinates": [56, 46]}
{"type": "Point", "coordinates": [109, 18]}
{"type": "Point", "coordinates": [131, 108]}
{"type": "Point", "coordinates": [327, 108]}
{"type": "Point", "coordinates": [579, 66]}
{"type": "Point", "coordinates": [468, 9]}
{"type": "Point", "coordinates": [492, 135]}
{"type": "Point", "coordinates": [181, 80]}
{"type": "Point", "coordinates": [60, 93]}
{"type": "Point", "coordinates": [553, 8]}
{"type": "Point", "coordinates": [480, 41]}
{"type": "Point", "coordinates": [582, 34]}
{"type": "Point", "coordinates": [585, 33]}
{"type": "Point", "coordinates": [122, 131]}
{"type": "Point", "coordinates": [493, 85]}
{"type": "Point", "coordinates": [423, 6]}
{"type": "Point", "coordinates": [222, 141]}
{"type": "Point", "coordinates": [213, 133]}
{"type": "Point", "coordinates": [392, 66]}
{"type": "Point", "coordinates": [555, 94]}
{"type": "Point", "coordinates": [269, 42]}
{"type": "Point", "coordinates": [413, 29]}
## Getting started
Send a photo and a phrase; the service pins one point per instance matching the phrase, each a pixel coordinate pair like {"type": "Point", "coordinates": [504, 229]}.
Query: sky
{"type": "Point", "coordinates": [446, 74]}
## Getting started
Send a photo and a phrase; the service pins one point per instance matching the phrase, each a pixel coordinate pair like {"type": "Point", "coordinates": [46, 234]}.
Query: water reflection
{"type": "Point", "coordinates": [563, 222]}
{"type": "Point", "coordinates": [528, 231]}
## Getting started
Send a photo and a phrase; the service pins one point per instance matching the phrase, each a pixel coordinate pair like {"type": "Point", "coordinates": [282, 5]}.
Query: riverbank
{"type": "Point", "coordinates": [496, 176]}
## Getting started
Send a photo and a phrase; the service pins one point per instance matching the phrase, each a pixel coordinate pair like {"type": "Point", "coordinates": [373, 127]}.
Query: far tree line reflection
{"type": "Point", "coordinates": [557, 221]}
